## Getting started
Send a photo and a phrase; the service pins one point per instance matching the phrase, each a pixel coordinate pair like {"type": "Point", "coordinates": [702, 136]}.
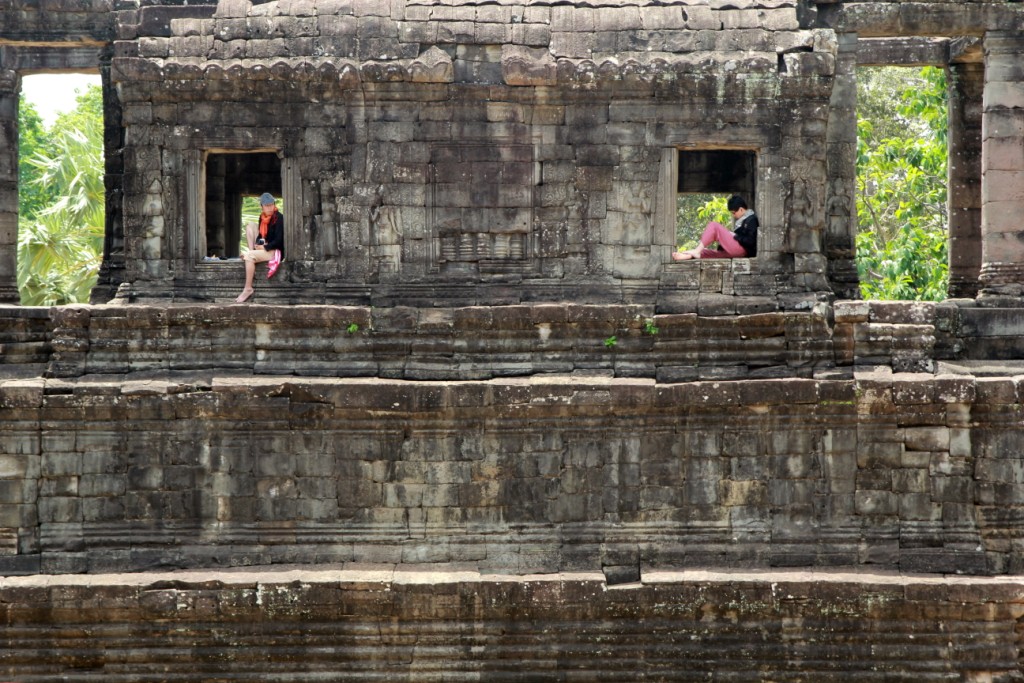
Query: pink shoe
{"type": "Point", "coordinates": [274, 263]}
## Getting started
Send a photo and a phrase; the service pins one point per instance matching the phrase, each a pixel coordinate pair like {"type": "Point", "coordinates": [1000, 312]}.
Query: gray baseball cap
{"type": "Point", "coordinates": [267, 198]}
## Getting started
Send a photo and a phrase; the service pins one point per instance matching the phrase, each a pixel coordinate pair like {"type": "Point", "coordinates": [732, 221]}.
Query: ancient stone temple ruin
{"type": "Point", "coordinates": [480, 425]}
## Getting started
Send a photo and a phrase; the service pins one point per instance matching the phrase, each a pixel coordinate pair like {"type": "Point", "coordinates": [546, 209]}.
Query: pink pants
{"type": "Point", "coordinates": [730, 248]}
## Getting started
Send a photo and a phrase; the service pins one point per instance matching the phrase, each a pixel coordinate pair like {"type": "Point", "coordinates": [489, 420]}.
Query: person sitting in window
{"type": "Point", "coordinates": [740, 243]}
{"type": "Point", "coordinates": [266, 243]}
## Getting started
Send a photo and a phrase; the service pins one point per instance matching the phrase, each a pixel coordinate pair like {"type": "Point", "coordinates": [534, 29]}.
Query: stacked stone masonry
{"type": "Point", "coordinates": [626, 440]}
{"type": "Point", "coordinates": [371, 624]}
{"type": "Point", "coordinates": [492, 153]}
{"type": "Point", "coordinates": [481, 426]}
{"type": "Point", "coordinates": [524, 476]}
{"type": "Point", "coordinates": [472, 153]}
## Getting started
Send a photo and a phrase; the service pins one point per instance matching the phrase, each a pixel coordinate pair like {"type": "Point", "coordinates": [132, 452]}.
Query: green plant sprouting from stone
{"type": "Point", "coordinates": [649, 327]}
{"type": "Point", "coordinates": [611, 341]}
{"type": "Point", "coordinates": [352, 328]}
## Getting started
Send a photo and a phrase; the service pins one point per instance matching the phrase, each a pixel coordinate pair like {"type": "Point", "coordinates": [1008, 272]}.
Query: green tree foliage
{"type": "Point", "coordinates": [61, 205]}
{"type": "Point", "coordinates": [32, 140]}
{"type": "Point", "coordinates": [901, 184]}
{"type": "Point", "coordinates": [694, 211]}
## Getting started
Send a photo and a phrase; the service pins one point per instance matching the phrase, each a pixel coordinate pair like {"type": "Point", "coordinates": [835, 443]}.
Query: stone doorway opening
{"type": "Point", "coordinates": [233, 180]}
{"type": "Point", "coordinates": [902, 182]}
{"type": "Point", "coordinates": [61, 204]}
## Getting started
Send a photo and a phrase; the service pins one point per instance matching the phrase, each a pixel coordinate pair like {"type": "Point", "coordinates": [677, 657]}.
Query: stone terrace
{"type": "Point", "coordinates": [480, 426]}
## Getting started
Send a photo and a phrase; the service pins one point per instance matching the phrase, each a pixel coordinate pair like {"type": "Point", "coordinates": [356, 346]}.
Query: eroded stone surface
{"type": "Point", "coordinates": [370, 490]}
{"type": "Point", "coordinates": [419, 626]}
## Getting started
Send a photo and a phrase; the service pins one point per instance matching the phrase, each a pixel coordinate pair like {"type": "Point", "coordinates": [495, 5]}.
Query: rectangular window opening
{"type": "Point", "coordinates": [60, 209]}
{"type": "Point", "coordinates": [903, 237]}
{"type": "Point", "coordinates": [233, 182]}
{"type": "Point", "coordinates": [706, 180]}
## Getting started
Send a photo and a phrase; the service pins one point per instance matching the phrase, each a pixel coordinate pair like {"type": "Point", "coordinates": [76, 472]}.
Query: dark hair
{"type": "Point", "coordinates": [737, 202]}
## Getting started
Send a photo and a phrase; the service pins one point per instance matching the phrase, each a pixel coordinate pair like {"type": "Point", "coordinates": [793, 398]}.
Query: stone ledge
{"type": "Point", "coordinates": [443, 625]}
{"type": "Point", "coordinates": [447, 573]}
{"type": "Point", "coordinates": [401, 342]}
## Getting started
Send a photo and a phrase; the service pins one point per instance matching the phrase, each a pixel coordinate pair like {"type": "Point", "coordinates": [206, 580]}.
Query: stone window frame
{"type": "Point", "coordinates": [668, 188]}
{"type": "Point", "coordinates": [768, 204]}
{"type": "Point", "coordinates": [195, 199]}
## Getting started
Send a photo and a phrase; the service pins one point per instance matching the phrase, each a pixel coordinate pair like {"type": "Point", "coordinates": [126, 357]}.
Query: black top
{"type": "Point", "coordinates": [275, 233]}
{"type": "Point", "coordinates": [746, 232]}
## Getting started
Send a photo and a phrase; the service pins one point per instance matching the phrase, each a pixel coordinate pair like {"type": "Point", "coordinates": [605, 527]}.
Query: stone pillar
{"type": "Point", "coordinates": [1002, 166]}
{"type": "Point", "coordinates": [112, 268]}
{"type": "Point", "coordinates": [10, 86]}
{"type": "Point", "coordinates": [215, 193]}
{"type": "Point", "coordinates": [841, 156]}
{"type": "Point", "coordinates": [233, 224]}
{"type": "Point", "coordinates": [966, 82]}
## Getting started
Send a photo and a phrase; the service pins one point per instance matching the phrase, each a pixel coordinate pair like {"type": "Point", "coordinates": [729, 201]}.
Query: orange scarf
{"type": "Point", "coordinates": [265, 222]}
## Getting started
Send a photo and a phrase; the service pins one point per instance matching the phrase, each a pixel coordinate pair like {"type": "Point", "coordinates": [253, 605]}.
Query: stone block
{"type": "Point", "coordinates": [994, 390]}
{"type": "Point", "coordinates": [952, 489]}
{"type": "Point", "coordinates": [100, 485]}
{"type": "Point", "coordinates": [232, 9]}
{"type": "Point", "coordinates": [1004, 94]}
{"type": "Point", "coordinates": [700, 17]}
{"type": "Point", "coordinates": [874, 480]}
{"type": "Point", "coordinates": [852, 311]}
{"type": "Point", "coordinates": [154, 47]}
{"type": "Point", "coordinates": [782, 19]}
{"type": "Point", "coordinates": [1002, 156]}
{"type": "Point", "coordinates": [911, 313]}
{"type": "Point", "coordinates": [1002, 127]}
{"type": "Point", "coordinates": [884, 454]}
{"type": "Point", "coordinates": [912, 391]}
{"type": "Point", "coordinates": [880, 503]}
{"type": "Point", "coordinates": [60, 510]}
{"type": "Point", "coordinates": [109, 509]}
{"type": "Point", "coordinates": [960, 442]}
{"type": "Point", "coordinates": [927, 438]}
{"type": "Point", "coordinates": [911, 480]}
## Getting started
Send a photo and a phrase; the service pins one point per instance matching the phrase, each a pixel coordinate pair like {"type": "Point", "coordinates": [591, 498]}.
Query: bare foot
{"type": "Point", "coordinates": [244, 296]}
{"type": "Point", "coordinates": [685, 255]}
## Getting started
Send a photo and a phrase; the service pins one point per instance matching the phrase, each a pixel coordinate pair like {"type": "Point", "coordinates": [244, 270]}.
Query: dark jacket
{"type": "Point", "coordinates": [746, 232]}
{"type": "Point", "coordinates": [275, 233]}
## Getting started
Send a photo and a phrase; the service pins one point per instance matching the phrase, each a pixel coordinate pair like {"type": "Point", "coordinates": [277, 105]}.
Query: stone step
{"type": "Point", "coordinates": [372, 623]}
{"type": "Point", "coordinates": [427, 343]}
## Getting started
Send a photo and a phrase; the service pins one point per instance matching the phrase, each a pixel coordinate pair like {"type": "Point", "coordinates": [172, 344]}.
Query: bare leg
{"type": "Point", "coordinates": [250, 235]}
{"type": "Point", "coordinates": [250, 266]}
{"type": "Point", "coordinates": [247, 291]}
{"type": "Point", "coordinates": [689, 253]}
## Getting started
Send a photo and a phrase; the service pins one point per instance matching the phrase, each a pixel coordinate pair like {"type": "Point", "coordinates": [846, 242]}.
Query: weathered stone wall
{"type": "Point", "coordinates": [462, 343]}
{"type": "Point", "coordinates": [523, 475]}
{"type": "Point", "coordinates": [43, 22]}
{"type": "Point", "coordinates": [427, 148]}
{"type": "Point", "coordinates": [382, 624]}
{"type": "Point", "coordinates": [445, 167]}
{"type": "Point", "coordinates": [480, 342]}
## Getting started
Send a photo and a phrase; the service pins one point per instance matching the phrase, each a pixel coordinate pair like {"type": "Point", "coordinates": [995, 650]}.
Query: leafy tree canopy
{"type": "Point", "coordinates": [901, 183]}
{"type": "Point", "coordinates": [32, 140]}
{"type": "Point", "coordinates": [61, 203]}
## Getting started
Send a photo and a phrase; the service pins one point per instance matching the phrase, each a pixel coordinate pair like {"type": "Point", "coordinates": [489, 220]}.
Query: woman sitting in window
{"type": "Point", "coordinates": [740, 243]}
{"type": "Point", "coordinates": [266, 243]}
